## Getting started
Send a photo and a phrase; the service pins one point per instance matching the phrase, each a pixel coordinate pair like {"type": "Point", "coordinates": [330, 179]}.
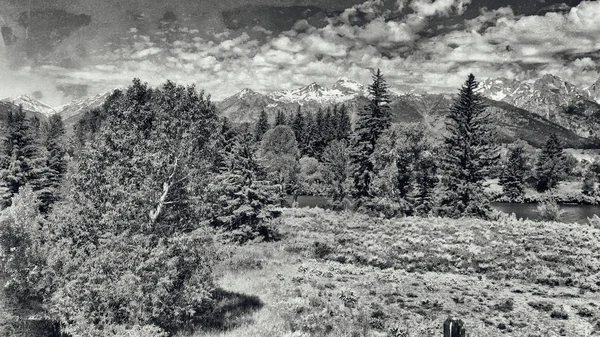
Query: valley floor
{"type": "Point", "coordinates": [344, 274]}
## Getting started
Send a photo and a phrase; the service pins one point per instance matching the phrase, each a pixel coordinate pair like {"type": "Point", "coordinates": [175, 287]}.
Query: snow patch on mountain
{"type": "Point", "coordinates": [32, 104]}
{"type": "Point", "coordinates": [343, 90]}
{"type": "Point", "coordinates": [79, 106]}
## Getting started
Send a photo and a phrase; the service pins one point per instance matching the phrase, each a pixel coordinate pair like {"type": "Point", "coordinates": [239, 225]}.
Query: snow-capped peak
{"type": "Point", "coordinates": [246, 92]}
{"type": "Point", "coordinates": [32, 104]}
{"type": "Point", "coordinates": [78, 106]}
{"type": "Point", "coordinates": [342, 91]}
{"type": "Point", "coordinates": [346, 85]}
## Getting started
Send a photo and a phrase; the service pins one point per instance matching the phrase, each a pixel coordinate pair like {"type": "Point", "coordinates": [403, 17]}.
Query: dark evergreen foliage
{"type": "Point", "coordinates": [468, 155]}
{"type": "Point", "coordinates": [371, 122]}
{"type": "Point", "coordinates": [551, 165]}
{"type": "Point", "coordinates": [280, 119]}
{"type": "Point", "coordinates": [262, 126]}
{"type": "Point", "coordinates": [513, 173]}
{"type": "Point", "coordinates": [18, 154]}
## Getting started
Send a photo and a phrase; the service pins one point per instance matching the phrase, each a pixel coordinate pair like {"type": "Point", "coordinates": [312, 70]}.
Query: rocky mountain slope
{"type": "Point", "coordinates": [31, 104]}
{"type": "Point", "coordinates": [552, 98]}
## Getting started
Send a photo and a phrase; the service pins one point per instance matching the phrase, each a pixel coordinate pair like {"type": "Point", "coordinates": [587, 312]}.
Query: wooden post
{"type": "Point", "coordinates": [454, 327]}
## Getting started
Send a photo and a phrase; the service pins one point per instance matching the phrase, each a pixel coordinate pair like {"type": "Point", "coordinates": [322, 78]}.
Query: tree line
{"type": "Point", "coordinates": [405, 170]}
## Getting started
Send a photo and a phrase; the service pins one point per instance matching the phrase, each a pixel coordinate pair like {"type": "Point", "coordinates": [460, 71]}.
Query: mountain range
{"type": "Point", "coordinates": [530, 110]}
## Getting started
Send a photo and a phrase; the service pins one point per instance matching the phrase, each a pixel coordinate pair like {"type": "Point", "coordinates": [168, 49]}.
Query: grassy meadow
{"type": "Point", "coordinates": [345, 274]}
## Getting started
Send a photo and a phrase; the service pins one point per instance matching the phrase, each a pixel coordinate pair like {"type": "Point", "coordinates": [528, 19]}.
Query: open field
{"type": "Point", "coordinates": [343, 274]}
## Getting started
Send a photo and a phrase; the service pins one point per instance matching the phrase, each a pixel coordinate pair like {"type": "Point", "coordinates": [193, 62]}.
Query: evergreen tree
{"type": "Point", "coordinates": [379, 104]}
{"type": "Point", "coordinates": [130, 211]}
{"type": "Point", "coordinates": [469, 154]}
{"type": "Point", "coordinates": [343, 125]}
{"type": "Point", "coordinates": [589, 183]}
{"type": "Point", "coordinates": [223, 144]}
{"type": "Point", "coordinates": [19, 154]}
{"type": "Point", "coordinates": [262, 126]}
{"type": "Point", "coordinates": [279, 155]}
{"type": "Point", "coordinates": [298, 125]}
{"type": "Point", "coordinates": [425, 181]}
{"type": "Point", "coordinates": [280, 119]}
{"type": "Point", "coordinates": [240, 199]}
{"type": "Point", "coordinates": [551, 164]}
{"type": "Point", "coordinates": [336, 158]}
{"type": "Point", "coordinates": [319, 137]}
{"type": "Point", "coordinates": [308, 140]}
{"type": "Point", "coordinates": [512, 178]}
{"type": "Point", "coordinates": [372, 121]}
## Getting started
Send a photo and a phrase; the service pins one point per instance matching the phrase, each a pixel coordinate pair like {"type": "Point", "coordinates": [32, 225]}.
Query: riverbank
{"type": "Point", "coordinates": [347, 274]}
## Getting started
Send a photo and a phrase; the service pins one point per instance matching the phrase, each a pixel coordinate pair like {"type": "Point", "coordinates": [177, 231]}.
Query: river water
{"type": "Point", "coordinates": [571, 213]}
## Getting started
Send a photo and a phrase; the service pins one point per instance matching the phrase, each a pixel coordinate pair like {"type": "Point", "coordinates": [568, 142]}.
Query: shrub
{"type": "Point", "coordinates": [594, 221]}
{"type": "Point", "coordinates": [505, 306]}
{"type": "Point", "coordinates": [541, 306]}
{"type": "Point", "coordinates": [549, 210]}
{"type": "Point", "coordinates": [559, 313]}
{"type": "Point", "coordinates": [321, 250]}
{"type": "Point", "coordinates": [160, 284]}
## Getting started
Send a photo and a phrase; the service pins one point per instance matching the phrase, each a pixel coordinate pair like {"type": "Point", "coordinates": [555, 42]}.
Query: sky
{"type": "Point", "coordinates": [59, 50]}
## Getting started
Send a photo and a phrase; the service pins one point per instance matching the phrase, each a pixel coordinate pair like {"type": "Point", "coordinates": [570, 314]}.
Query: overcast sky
{"type": "Point", "coordinates": [73, 48]}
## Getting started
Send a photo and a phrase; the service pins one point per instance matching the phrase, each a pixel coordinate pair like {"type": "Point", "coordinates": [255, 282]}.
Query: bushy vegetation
{"type": "Point", "coordinates": [129, 249]}
{"type": "Point", "coordinates": [329, 277]}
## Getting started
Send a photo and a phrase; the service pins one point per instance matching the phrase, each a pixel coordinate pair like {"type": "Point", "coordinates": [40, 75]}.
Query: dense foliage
{"type": "Point", "coordinates": [468, 155]}
{"type": "Point", "coordinates": [513, 174]}
{"type": "Point", "coordinates": [551, 166]}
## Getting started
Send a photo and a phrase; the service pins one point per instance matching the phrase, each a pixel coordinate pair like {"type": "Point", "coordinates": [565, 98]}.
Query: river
{"type": "Point", "coordinates": [572, 213]}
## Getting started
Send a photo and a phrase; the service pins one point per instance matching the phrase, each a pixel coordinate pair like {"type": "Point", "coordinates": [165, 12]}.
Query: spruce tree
{"type": "Point", "coordinates": [469, 154]}
{"type": "Point", "coordinates": [298, 125]}
{"type": "Point", "coordinates": [19, 154]}
{"type": "Point", "coordinates": [551, 165]}
{"type": "Point", "coordinates": [372, 120]}
{"type": "Point", "coordinates": [262, 126]}
{"type": "Point", "coordinates": [380, 103]}
{"type": "Point", "coordinates": [512, 178]}
{"type": "Point", "coordinates": [425, 181]}
{"type": "Point", "coordinates": [280, 119]}
{"type": "Point", "coordinates": [318, 135]}
{"type": "Point", "coordinates": [308, 140]}
{"type": "Point", "coordinates": [343, 125]}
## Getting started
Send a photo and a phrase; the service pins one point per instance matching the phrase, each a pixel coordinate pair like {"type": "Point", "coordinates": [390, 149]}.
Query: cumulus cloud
{"type": "Point", "coordinates": [427, 8]}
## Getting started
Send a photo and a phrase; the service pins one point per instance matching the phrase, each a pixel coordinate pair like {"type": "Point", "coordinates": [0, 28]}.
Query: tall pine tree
{"type": "Point", "coordinates": [342, 123]}
{"type": "Point", "coordinates": [372, 121]}
{"type": "Point", "coordinates": [298, 125]}
{"type": "Point", "coordinates": [19, 151]}
{"type": "Point", "coordinates": [262, 126]}
{"type": "Point", "coordinates": [469, 153]}
{"type": "Point", "coordinates": [551, 164]}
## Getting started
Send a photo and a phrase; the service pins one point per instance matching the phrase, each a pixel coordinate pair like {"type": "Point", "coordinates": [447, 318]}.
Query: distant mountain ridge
{"type": "Point", "coordinates": [552, 98]}
{"type": "Point", "coordinates": [528, 110]}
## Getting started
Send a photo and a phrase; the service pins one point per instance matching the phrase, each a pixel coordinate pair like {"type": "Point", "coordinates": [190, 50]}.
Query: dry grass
{"type": "Point", "coordinates": [343, 274]}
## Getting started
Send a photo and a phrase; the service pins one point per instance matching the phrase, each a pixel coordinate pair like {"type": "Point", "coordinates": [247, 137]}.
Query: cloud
{"type": "Point", "coordinates": [397, 36]}
{"type": "Point", "coordinates": [426, 8]}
